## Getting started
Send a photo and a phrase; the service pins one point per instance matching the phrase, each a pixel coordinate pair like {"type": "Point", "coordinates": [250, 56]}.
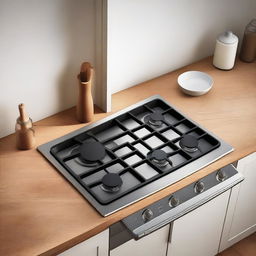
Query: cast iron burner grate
{"type": "Point", "coordinates": [132, 150]}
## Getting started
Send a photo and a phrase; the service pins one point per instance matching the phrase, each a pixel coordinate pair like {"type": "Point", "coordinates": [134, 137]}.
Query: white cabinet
{"type": "Point", "coordinates": [198, 232]}
{"type": "Point", "coordinates": [241, 215]}
{"type": "Point", "coordinates": [154, 244]}
{"type": "Point", "coordinates": [94, 246]}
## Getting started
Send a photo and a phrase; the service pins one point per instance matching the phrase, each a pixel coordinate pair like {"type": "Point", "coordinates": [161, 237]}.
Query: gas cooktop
{"type": "Point", "coordinates": [131, 154]}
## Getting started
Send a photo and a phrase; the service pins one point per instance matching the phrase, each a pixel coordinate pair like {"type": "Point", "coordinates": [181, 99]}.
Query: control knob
{"type": "Point", "coordinates": [221, 175]}
{"type": "Point", "coordinates": [199, 187]}
{"type": "Point", "coordinates": [147, 215]}
{"type": "Point", "coordinates": [174, 201]}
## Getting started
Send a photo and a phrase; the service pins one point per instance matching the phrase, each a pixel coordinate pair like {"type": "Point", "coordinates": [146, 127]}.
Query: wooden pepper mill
{"type": "Point", "coordinates": [248, 48]}
{"type": "Point", "coordinates": [25, 135]}
{"type": "Point", "coordinates": [84, 109]}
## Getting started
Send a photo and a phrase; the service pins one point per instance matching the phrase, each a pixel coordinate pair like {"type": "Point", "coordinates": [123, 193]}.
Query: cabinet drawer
{"type": "Point", "coordinates": [154, 244]}
{"type": "Point", "coordinates": [94, 246]}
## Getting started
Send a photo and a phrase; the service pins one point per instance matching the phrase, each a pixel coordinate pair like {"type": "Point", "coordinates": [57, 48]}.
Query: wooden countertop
{"type": "Point", "coordinates": [41, 213]}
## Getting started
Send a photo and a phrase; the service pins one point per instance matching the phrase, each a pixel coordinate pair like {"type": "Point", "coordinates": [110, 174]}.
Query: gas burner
{"type": "Point", "coordinates": [86, 163]}
{"type": "Point", "coordinates": [155, 119]}
{"type": "Point", "coordinates": [111, 183]}
{"type": "Point", "coordinates": [189, 143]}
{"type": "Point", "coordinates": [159, 157]}
{"type": "Point", "coordinates": [92, 151]}
{"type": "Point", "coordinates": [81, 161]}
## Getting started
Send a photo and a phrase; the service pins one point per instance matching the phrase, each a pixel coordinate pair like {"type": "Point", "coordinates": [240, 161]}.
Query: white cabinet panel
{"type": "Point", "coordinates": [241, 215]}
{"type": "Point", "coordinates": [94, 246]}
{"type": "Point", "coordinates": [154, 244]}
{"type": "Point", "coordinates": [198, 232]}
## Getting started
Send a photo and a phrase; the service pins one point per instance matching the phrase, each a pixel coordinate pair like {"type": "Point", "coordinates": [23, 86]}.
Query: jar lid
{"type": "Point", "coordinates": [228, 38]}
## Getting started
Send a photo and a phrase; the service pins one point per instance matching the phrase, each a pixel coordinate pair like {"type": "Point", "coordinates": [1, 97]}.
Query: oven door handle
{"type": "Point", "coordinates": [178, 211]}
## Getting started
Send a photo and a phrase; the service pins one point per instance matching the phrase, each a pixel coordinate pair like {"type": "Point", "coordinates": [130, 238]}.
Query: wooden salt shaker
{"type": "Point", "coordinates": [25, 135]}
{"type": "Point", "coordinates": [84, 108]}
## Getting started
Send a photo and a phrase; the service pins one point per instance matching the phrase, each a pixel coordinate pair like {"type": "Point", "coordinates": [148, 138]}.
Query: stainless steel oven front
{"type": "Point", "coordinates": [174, 206]}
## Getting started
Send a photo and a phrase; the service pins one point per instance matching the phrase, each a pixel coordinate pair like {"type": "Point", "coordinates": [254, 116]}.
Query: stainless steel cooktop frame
{"type": "Point", "coordinates": [148, 189]}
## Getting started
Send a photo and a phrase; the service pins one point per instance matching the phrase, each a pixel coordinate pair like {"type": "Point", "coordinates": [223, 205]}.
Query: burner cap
{"type": "Point", "coordinates": [92, 151]}
{"type": "Point", "coordinates": [189, 142]}
{"type": "Point", "coordinates": [156, 117]}
{"type": "Point", "coordinates": [111, 182]}
{"type": "Point", "coordinates": [159, 155]}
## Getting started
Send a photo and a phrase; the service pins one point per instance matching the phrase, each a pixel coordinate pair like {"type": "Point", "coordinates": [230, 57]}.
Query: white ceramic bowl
{"type": "Point", "coordinates": [195, 83]}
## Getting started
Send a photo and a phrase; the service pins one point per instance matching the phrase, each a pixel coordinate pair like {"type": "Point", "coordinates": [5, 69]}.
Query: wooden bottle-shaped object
{"type": "Point", "coordinates": [84, 109]}
{"type": "Point", "coordinates": [25, 135]}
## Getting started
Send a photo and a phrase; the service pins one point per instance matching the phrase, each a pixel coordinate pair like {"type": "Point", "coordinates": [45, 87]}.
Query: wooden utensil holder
{"type": "Point", "coordinates": [84, 108]}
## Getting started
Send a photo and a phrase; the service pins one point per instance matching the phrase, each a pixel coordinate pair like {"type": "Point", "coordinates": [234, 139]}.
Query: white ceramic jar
{"type": "Point", "coordinates": [225, 51]}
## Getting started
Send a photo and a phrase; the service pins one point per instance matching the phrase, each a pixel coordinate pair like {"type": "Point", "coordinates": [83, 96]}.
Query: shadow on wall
{"type": "Point", "coordinates": [79, 27]}
{"type": "Point", "coordinates": [42, 48]}
{"type": "Point", "coordinates": [6, 119]}
{"type": "Point", "coordinates": [206, 41]}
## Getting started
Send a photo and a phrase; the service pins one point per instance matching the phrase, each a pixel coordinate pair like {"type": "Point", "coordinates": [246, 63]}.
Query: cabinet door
{"type": "Point", "coordinates": [154, 244]}
{"type": "Point", "coordinates": [198, 232]}
{"type": "Point", "coordinates": [94, 246]}
{"type": "Point", "coordinates": [241, 215]}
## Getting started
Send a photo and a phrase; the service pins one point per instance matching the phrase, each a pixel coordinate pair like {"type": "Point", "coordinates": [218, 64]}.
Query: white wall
{"type": "Point", "coordinates": [147, 38]}
{"type": "Point", "coordinates": [42, 44]}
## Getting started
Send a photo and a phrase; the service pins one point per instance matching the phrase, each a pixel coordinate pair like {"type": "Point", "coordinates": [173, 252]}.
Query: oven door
{"type": "Point", "coordinates": [170, 208]}
{"type": "Point", "coordinates": [169, 240]}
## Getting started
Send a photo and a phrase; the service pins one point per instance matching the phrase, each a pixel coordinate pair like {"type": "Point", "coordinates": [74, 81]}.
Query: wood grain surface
{"type": "Point", "coordinates": [246, 247]}
{"type": "Point", "coordinates": [42, 214]}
